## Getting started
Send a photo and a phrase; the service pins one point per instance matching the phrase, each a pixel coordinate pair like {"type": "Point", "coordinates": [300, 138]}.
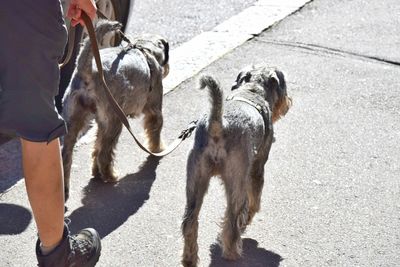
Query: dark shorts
{"type": "Point", "coordinates": [33, 37]}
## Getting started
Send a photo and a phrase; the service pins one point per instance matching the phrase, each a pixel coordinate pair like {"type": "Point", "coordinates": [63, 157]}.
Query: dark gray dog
{"type": "Point", "coordinates": [134, 75]}
{"type": "Point", "coordinates": [234, 144]}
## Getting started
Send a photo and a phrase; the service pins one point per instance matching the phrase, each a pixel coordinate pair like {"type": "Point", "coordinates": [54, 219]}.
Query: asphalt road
{"type": "Point", "coordinates": [332, 188]}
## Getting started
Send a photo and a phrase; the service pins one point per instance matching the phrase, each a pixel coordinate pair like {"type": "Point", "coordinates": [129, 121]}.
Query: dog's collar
{"type": "Point", "coordinates": [260, 108]}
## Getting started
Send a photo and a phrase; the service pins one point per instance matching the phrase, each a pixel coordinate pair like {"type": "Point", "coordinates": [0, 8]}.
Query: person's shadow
{"type": "Point", "coordinates": [106, 207]}
{"type": "Point", "coordinates": [14, 219]}
{"type": "Point", "coordinates": [252, 256]}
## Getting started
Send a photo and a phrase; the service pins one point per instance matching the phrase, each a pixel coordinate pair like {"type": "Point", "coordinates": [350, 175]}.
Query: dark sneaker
{"type": "Point", "coordinates": [80, 250]}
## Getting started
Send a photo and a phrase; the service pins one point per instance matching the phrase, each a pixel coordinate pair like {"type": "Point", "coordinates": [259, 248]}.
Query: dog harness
{"type": "Point", "coordinates": [261, 108]}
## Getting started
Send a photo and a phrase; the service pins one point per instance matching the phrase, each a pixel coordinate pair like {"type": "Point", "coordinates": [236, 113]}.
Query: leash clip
{"type": "Point", "coordinates": [188, 131]}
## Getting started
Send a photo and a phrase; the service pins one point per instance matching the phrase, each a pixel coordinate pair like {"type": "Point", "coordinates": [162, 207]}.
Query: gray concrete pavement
{"type": "Point", "coordinates": [181, 20]}
{"type": "Point", "coordinates": [332, 188]}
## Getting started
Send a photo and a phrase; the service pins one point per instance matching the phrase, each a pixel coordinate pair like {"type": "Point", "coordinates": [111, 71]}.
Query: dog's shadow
{"type": "Point", "coordinates": [106, 207]}
{"type": "Point", "coordinates": [253, 256]}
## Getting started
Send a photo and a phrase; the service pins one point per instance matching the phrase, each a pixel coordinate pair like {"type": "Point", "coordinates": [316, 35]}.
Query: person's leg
{"type": "Point", "coordinates": [29, 77]}
{"type": "Point", "coordinates": [44, 184]}
{"type": "Point", "coordinates": [45, 187]}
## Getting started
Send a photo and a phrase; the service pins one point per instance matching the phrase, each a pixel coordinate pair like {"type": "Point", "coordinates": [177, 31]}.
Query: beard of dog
{"type": "Point", "coordinates": [281, 107]}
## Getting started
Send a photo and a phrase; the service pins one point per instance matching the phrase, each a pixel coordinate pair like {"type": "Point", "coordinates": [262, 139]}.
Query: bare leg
{"type": "Point", "coordinates": [44, 183]}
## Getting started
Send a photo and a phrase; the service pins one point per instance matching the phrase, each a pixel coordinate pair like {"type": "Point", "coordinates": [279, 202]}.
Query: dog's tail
{"type": "Point", "coordinates": [103, 29]}
{"type": "Point", "coordinates": [216, 97]}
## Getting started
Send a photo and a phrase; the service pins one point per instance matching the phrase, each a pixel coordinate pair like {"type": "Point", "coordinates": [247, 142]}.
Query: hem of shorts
{"type": "Point", "coordinates": [56, 133]}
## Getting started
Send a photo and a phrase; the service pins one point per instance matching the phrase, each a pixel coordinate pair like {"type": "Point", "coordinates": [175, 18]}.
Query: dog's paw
{"type": "Point", "coordinates": [231, 250]}
{"type": "Point", "coordinates": [106, 177]}
{"type": "Point", "coordinates": [190, 260]}
{"type": "Point", "coordinates": [231, 255]}
{"type": "Point", "coordinates": [188, 263]}
{"type": "Point", "coordinates": [110, 178]}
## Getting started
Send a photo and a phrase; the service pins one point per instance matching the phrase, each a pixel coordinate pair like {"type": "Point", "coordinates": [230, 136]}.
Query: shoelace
{"type": "Point", "coordinates": [80, 244]}
{"type": "Point", "coordinates": [76, 243]}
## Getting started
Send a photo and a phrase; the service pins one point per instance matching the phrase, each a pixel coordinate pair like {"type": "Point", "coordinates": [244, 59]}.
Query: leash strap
{"type": "Point", "coordinates": [70, 46]}
{"type": "Point", "coordinates": [120, 113]}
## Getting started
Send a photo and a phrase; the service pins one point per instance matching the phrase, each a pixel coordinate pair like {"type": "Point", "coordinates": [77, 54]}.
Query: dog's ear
{"type": "Point", "coordinates": [243, 77]}
{"type": "Point", "coordinates": [272, 81]}
{"type": "Point", "coordinates": [165, 46]}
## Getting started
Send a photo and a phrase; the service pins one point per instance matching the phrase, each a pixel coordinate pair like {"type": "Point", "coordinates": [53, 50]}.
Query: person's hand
{"type": "Point", "coordinates": [75, 11]}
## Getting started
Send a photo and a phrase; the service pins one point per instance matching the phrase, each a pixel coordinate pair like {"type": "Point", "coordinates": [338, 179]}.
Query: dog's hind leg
{"type": "Point", "coordinates": [75, 123]}
{"type": "Point", "coordinates": [108, 133]}
{"type": "Point", "coordinates": [153, 122]}
{"type": "Point", "coordinates": [198, 178]}
{"type": "Point", "coordinates": [235, 180]}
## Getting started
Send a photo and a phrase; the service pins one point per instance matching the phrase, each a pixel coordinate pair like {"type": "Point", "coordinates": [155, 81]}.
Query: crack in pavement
{"type": "Point", "coordinates": [331, 51]}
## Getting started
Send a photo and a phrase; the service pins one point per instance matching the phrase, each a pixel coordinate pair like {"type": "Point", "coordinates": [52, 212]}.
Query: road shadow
{"type": "Point", "coordinates": [4, 138]}
{"type": "Point", "coordinates": [107, 206]}
{"type": "Point", "coordinates": [14, 219]}
{"type": "Point", "coordinates": [10, 164]}
{"type": "Point", "coordinates": [253, 256]}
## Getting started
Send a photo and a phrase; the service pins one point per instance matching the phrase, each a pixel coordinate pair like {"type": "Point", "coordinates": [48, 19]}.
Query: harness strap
{"type": "Point", "coordinates": [260, 109]}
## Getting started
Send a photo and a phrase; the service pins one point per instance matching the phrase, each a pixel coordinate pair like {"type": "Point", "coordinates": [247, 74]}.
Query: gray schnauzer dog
{"type": "Point", "coordinates": [233, 142]}
{"type": "Point", "coordinates": [134, 75]}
